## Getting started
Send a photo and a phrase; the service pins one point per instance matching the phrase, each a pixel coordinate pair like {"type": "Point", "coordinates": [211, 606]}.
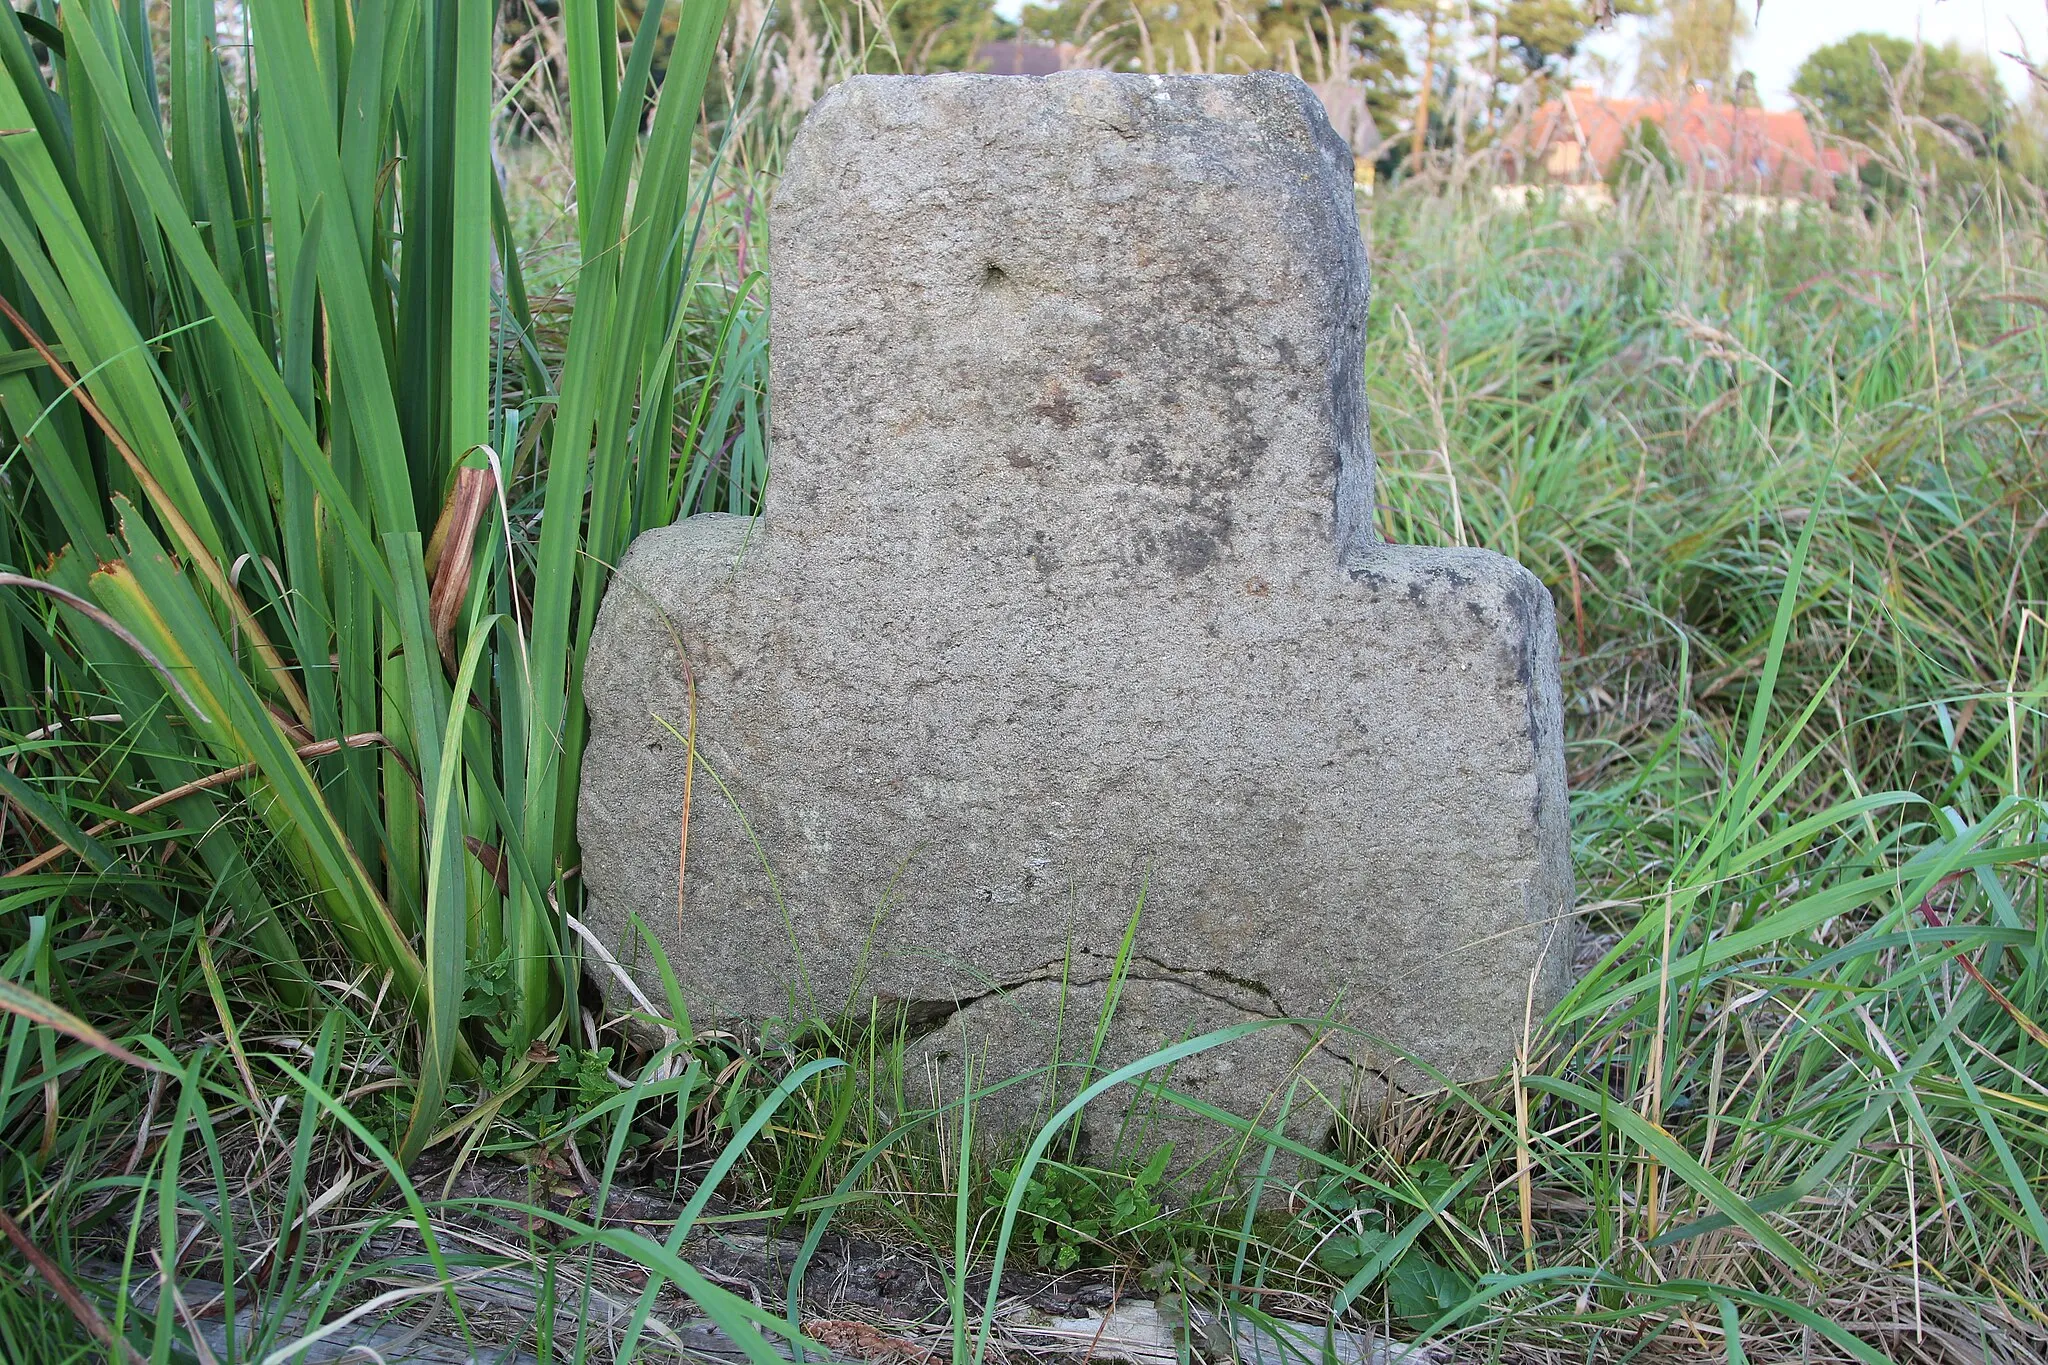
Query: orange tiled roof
{"type": "Point", "coordinates": [1722, 146]}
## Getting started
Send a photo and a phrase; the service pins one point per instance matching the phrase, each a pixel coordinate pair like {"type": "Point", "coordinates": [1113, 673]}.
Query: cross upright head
{"type": "Point", "coordinates": [1140, 299]}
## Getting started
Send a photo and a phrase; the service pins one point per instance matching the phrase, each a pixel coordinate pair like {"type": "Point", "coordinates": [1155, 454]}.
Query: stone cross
{"type": "Point", "coordinates": [1066, 612]}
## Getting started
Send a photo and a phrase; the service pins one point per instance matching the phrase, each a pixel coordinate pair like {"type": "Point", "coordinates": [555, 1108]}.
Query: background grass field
{"type": "Point", "coordinates": [1785, 479]}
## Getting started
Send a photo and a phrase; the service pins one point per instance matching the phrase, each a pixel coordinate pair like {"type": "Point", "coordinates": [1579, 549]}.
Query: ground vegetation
{"type": "Point", "coordinates": [320, 428]}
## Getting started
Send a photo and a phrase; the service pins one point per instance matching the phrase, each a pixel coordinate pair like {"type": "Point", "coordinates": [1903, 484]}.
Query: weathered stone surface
{"type": "Point", "coordinates": [1066, 592]}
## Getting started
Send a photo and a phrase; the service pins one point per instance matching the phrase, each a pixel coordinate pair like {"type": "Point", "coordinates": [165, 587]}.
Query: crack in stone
{"type": "Point", "coordinates": [920, 1018]}
{"type": "Point", "coordinates": [1243, 983]}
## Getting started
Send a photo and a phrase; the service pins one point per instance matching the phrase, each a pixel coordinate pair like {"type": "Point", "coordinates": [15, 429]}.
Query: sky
{"type": "Point", "coordinates": [1787, 30]}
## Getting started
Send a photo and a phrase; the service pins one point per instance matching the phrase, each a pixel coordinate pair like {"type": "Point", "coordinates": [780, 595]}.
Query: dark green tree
{"type": "Point", "coordinates": [1541, 37]}
{"type": "Point", "coordinates": [1692, 43]}
{"type": "Point", "coordinates": [1955, 89]}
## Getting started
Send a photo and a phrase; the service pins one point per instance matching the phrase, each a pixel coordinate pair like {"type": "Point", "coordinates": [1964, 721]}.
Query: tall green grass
{"type": "Point", "coordinates": [1787, 484]}
{"type": "Point", "coordinates": [309, 531]}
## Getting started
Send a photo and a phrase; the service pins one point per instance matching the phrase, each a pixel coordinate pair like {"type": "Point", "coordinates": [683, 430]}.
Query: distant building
{"type": "Point", "coordinates": [1023, 57]}
{"type": "Point", "coordinates": [1720, 147]}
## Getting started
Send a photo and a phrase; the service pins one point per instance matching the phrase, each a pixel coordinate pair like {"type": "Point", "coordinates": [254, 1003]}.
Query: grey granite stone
{"type": "Point", "coordinates": [1066, 595]}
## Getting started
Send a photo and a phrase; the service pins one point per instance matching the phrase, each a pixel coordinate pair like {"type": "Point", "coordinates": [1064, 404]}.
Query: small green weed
{"type": "Point", "coordinates": [1359, 1232]}
{"type": "Point", "coordinates": [1075, 1217]}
